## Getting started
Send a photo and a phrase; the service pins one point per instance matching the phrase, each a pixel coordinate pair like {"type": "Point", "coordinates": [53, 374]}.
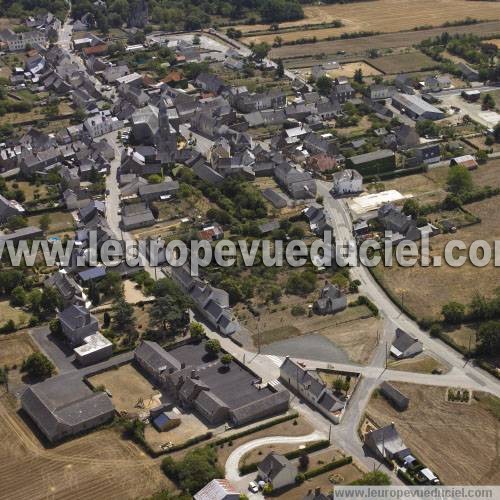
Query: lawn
{"type": "Point", "coordinates": [60, 222]}
{"type": "Point", "coordinates": [458, 442]}
{"type": "Point", "coordinates": [30, 190]}
{"type": "Point", "coordinates": [7, 312]}
{"type": "Point", "coordinates": [423, 363]}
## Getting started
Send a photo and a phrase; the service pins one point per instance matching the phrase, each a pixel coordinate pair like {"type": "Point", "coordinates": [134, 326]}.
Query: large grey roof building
{"type": "Point", "coordinates": [65, 406]}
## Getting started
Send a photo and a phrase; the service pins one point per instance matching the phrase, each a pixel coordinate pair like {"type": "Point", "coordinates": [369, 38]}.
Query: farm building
{"type": "Point", "coordinates": [376, 162]}
{"type": "Point", "coordinates": [65, 406]}
{"type": "Point", "coordinates": [395, 397]}
{"type": "Point", "coordinates": [416, 108]}
{"type": "Point", "coordinates": [467, 161]}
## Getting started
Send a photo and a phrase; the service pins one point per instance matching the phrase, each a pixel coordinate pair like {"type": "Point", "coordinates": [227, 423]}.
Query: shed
{"type": "Point", "coordinates": [395, 397]}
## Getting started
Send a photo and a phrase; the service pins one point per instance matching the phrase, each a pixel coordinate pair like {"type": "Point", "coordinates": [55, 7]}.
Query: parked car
{"type": "Point", "coordinates": [252, 486]}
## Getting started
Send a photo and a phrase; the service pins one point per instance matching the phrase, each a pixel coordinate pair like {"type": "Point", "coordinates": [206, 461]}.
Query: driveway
{"type": "Point", "coordinates": [241, 482]}
{"type": "Point", "coordinates": [61, 355]}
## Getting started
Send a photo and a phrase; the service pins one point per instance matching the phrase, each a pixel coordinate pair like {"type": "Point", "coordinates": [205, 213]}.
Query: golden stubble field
{"type": "Point", "coordinates": [426, 289]}
{"type": "Point", "coordinates": [98, 465]}
{"type": "Point", "coordinates": [385, 16]}
{"type": "Point", "coordinates": [459, 442]}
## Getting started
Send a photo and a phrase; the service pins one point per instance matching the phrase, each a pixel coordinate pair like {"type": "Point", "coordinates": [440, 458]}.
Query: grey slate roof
{"type": "Point", "coordinates": [61, 406]}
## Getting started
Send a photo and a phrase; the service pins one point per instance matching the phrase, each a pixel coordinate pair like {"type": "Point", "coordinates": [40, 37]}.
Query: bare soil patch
{"type": "Point", "coordinates": [459, 442]}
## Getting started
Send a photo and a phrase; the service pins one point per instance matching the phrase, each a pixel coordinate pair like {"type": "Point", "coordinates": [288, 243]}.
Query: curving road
{"type": "Point", "coordinates": [231, 467]}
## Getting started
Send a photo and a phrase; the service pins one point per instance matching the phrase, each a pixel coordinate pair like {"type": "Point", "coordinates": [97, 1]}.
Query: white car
{"type": "Point", "coordinates": [252, 486]}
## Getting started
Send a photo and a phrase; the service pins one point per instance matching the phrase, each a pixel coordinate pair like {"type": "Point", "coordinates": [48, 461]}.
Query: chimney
{"type": "Point", "coordinates": [317, 491]}
{"type": "Point", "coordinates": [193, 373]}
{"type": "Point", "coordinates": [183, 365]}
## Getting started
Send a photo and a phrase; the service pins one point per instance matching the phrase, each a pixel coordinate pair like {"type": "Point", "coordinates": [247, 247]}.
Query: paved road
{"type": "Point", "coordinates": [231, 468]}
{"type": "Point", "coordinates": [343, 232]}
{"type": "Point", "coordinates": [62, 357]}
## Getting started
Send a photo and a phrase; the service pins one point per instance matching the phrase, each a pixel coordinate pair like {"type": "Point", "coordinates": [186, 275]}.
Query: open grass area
{"type": "Point", "coordinates": [403, 63]}
{"type": "Point", "coordinates": [7, 312]}
{"type": "Point", "coordinates": [98, 465]}
{"type": "Point", "coordinates": [354, 330]}
{"type": "Point", "coordinates": [383, 16]}
{"type": "Point", "coordinates": [348, 70]}
{"type": "Point", "coordinates": [458, 442]}
{"type": "Point", "coordinates": [31, 190]}
{"type": "Point", "coordinates": [423, 363]}
{"type": "Point", "coordinates": [15, 347]}
{"type": "Point", "coordinates": [59, 221]}
{"type": "Point", "coordinates": [131, 391]}
{"type": "Point", "coordinates": [426, 289]}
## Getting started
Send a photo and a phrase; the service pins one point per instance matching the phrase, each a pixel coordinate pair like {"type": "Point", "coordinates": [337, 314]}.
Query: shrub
{"type": "Point", "coordinates": [298, 311]}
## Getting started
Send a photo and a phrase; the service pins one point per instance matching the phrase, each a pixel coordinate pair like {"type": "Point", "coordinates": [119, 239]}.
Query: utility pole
{"type": "Point", "coordinates": [330, 434]}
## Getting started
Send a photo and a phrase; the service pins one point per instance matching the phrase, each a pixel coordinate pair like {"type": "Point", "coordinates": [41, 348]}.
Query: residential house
{"type": "Point", "coordinates": [101, 124]}
{"type": "Point", "coordinates": [300, 185]}
{"type": "Point", "coordinates": [342, 92]}
{"type": "Point", "coordinates": [211, 233]}
{"type": "Point", "coordinates": [381, 92]}
{"type": "Point", "coordinates": [210, 83]}
{"type": "Point", "coordinates": [347, 182]}
{"type": "Point", "coordinates": [277, 470]}
{"type": "Point", "coordinates": [386, 443]}
{"type": "Point", "coordinates": [312, 387]}
{"type": "Point", "coordinates": [69, 290]}
{"type": "Point", "coordinates": [136, 215]}
{"type": "Point", "coordinates": [405, 83]}
{"type": "Point", "coordinates": [405, 346]}
{"type": "Point", "coordinates": [330, 301]}
{"type": "Point", "coordinates": [218, 489]}
{"type": "Point", "coordinates": [77, 322]}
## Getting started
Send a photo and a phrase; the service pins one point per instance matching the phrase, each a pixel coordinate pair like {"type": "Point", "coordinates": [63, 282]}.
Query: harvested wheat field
{"type": "Point", "coordinates": [458, 441]}
{"type": "Point", "coordinates": [98, 465]}
{"type": "Point", "coordinates": [444, 284]}
{"type": "Point", "coordinates": [392, 40]}
{"type": "Point", "coordinates": [384, 16]}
